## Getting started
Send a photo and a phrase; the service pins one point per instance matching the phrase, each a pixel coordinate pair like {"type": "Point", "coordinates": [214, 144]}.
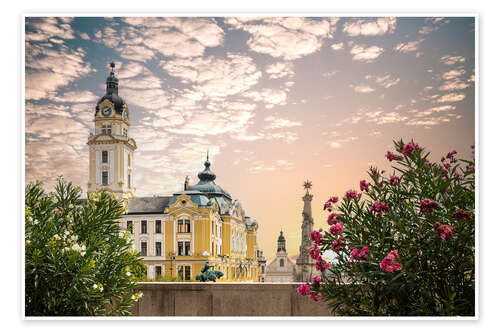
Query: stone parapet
{"type": "Point", "coordinates": [225, 299]}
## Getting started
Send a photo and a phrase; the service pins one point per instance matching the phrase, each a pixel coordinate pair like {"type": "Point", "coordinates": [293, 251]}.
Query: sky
{"type": "Point", "coordinates": [275, 100]}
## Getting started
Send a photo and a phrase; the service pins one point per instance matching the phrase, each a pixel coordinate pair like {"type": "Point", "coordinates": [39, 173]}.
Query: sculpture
{"type": "Point", "coordinates": [208, 275]}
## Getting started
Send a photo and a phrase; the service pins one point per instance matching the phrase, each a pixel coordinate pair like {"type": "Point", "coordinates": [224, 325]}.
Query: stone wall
{"type": "Point", "coordinates": [225, 299]}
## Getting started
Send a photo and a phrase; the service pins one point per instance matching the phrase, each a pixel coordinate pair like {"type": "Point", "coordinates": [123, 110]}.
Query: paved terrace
{"type": "Point", "coordinates": [225, 299]}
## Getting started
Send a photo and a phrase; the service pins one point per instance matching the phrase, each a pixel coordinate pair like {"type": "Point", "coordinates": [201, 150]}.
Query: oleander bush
{"type": "Point", "coordinates": [77, 260]}
{"type": "Point", "coordinates": [404, 244]}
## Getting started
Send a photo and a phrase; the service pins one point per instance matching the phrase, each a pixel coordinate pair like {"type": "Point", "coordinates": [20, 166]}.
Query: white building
{"type": "Point", "coordinates": [282, 268]}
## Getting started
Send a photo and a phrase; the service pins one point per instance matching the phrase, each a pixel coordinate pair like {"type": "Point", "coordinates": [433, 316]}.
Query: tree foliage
{"type": "Point", "coordinates": [77, 260]}
{"type": "Point", "coordinates": [405, 245]}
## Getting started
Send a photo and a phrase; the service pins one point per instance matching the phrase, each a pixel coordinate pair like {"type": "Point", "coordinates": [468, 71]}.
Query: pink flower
{"type": "Point", "coordinates": [363, 185]}
{"type": "Point", "coordinates": [338, 244]}
{"type": "Point", "coordinates": [391, 157]}
{"type": "Point", "coordinates": [351, 194]}
{"type": "Point", "coordinates": [356, 254]}
{"type": "Point", "coordinates": [333, 218]}
{"type": "Point", "coordinates": [321, 265]}
{"type": "Point", "coordinates": [428, 205]}
{"type": "Point", "coordinates": [445, 232]}
{"type": "Point", "coordinates": [410, 148]}
{"type": "Point", "coordinates": [394, 181]}
{"type": "Point", "coordinates": [315, 297]}
{"type": "Point", "coordinates": [314, 252]}
{"type": "Point", "coordinates": [378, 207]}
{"type": "Point", "coordinates": [470, 167]}
{"type": "Point", "coordinates": [451, 153]}
{"type": "Point", "coordinates": [329, 202]}
{"type": "Point", "coordinates": [304, 289]}
{"type": "Point", "coordinates": [316, 236]}
{"type": "Point", "coordinates": [316, 280]}
{"type": "Point", "coordinates": [337, 228]}
{"type": "Point", "coordinates": [388, 263]}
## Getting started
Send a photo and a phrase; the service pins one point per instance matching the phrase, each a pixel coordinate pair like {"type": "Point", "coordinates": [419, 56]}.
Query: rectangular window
{"type": "Point", "coordinates": [187, 273]}
{"type": "Point", "coordinates": [158, 226]}
{"type": "Point", "coordinates": [187, 226]}
{"type": "Point", "coordinates": [180, 248]}
{"type": "Point", "coordinates": [128, 180]}
{"type": "Point", "coordinates": [144, 249]}
{"type": "Point", "coordinates": [130, 226]}
{"type": "Point", "coordinates": [144, 227]}
{"type": "Point", "coordinates": [104, 156]}
{"type": "Point", "coordinates": [104, 178]}
{"type": "Point", "coordinates": [125, 132]}
{"type": "Point", "coordinates": [158, 248]}
{"type": "Point", "coordinates": [108, 129]}
{"type": "Point", "coordinates": [158, 271]}
{"type": "Point", "coordinates": [187, 247]}
{"type": "Point", "coordinates": [180, 272]}
{"type": "Point", "coordinates": [103, 130]}
{"type": "Point", "coordinates": [180, 226]}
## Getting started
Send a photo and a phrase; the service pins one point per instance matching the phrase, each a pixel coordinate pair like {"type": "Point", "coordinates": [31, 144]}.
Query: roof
{"type": "Point", "coordinates": [148, 205]}
{"type": "Point", "coordinates": [196, 197]}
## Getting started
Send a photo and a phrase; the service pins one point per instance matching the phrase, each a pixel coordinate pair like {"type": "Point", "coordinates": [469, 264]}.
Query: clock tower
{"type": "Point", "coordinates": [111, 150]}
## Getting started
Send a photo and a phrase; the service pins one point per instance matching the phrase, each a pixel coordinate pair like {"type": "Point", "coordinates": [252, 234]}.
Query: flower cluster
{"type": "Point", "coordinates": [391, 157]}
{"type": "Point", "coordinates": [363, 185]}
{"type": "Point", "coordinates": [321, 265]}
{"type": "Point", "coordinates": [304, 289]}
{"type": "Point", "coordinates": [379, 207]}
{"type": "Point", "coordinates": [451, 154]}
{"type": "Point", "coordinates": [314, 252]}
{"type": "Point", "coordinates": [394, 181]}
{"type": "Point", "coordinates": [328, 204]}
{"type": "Point", "coordinates": [362, 254]}
{"type": "Point", "coordinates": [388, 264]}
{"type": "Point", "coordinates": [462, 214]}
{"type": "Point", "coordinates": [471, 167]}
{"type": "Point", "coordinates": [410, 148]}
{"type": "Point", "coordinates": [333, 218]}
{"type": "Point", "coordinates": [351, 194]}
{"type": "Point", "coordinates": [337, 228]}
{"type": "Point", "coordinates": [428, 205]}
{"type": "Point", "coordinates": [445, 232]}
{"type": "Point", "coordinates": [135, 297]}
{"type": "Point", "coordinates": [316, 236]}
{"type": "Point", "coordinates": [338, 244]}
{"type": "Point", "coordinates": [98, 286]}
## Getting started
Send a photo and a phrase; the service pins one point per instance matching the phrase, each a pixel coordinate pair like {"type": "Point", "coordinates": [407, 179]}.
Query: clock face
{"type": "Point", "coordinates": [125, 115]}
{"type": "Point", "coordinates": [106, 111]}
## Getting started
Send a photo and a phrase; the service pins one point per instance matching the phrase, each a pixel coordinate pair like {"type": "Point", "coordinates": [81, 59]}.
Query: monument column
{"type": "Point", "coordinates": [305, 265]}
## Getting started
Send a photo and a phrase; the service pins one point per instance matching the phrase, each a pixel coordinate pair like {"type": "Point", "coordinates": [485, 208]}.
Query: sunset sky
{"type": "Point", "coordinates": [276, 101]}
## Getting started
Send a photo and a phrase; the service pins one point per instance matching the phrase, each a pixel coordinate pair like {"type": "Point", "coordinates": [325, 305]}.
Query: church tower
{"type": "Point", "coordinates": [111, 150]}
{"type": "Point", "coordinates": [305, 265]}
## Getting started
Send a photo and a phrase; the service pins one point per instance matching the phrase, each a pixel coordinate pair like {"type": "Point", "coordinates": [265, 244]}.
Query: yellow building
{"type": "Point", "coordinates": [175, 234]}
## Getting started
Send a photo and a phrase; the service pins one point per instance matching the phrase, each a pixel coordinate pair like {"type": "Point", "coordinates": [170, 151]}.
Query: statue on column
{"type": "Point", "coordinates": [305, 264]}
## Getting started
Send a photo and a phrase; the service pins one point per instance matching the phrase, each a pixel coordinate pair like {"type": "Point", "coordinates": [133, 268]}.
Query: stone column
{"type": "Point", "coordinates": [305, 265]}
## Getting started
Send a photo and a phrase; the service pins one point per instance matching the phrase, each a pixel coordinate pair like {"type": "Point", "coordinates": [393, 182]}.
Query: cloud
{"type": "Point", "coordinates": [280, 69]}
{"type": "Point", "coordinates": [339, 142]}
{"type": "Point", "coordinates": [288, 137]}
{"type": "Point", "coordinates": [285, 37]}
{"type": "Point", "coordinates": [40, 29]}
{"type": "Point", "coordinates": [329, 75]}
{"type": "Point", "coordinates": [407, 47]}
{"type": "Point", "coordinates": [80, 96]}
{"type": "Point", "coordinates": [270, 97]}
{"type": "Point", "coordinates": [260, 166]}
{"type": "Point", "coordinates": [136, 52]}
{"type": "Point", "coordinates": [370, 27]}
{"type": "Point", "coordinates": [451, 60]}
{"type": "Point", "coordinates": [453, 85]}
{"type": "Point", "coordinates": [432, 24]}
{"type": "Point", "coordinates": [337, 46]}
{"type": "Point", "coordinates": [385, 81]}
{"type": "Point", "coordinates": [362, 88]}
{"type": "Point", "coordinates": [108, 36]}
{"type": "Point", "coordinates": [275, 123]}
{"type": "Point", "coordinates": [170, 36]}
{"type": "Point", "coordinates": [453, 74]}
{"type": "Point", "coordinates": [366, 54]}
{"type": "Point", "coordinates": [48, 69]}
{"type": "Point", "coordinates": [450, 98]}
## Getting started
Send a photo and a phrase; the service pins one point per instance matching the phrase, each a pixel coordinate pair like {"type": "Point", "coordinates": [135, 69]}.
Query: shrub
{"type": "Point", "coordinates": [77, 261]}
{"type": "Point", "coordinates": [405, 246]}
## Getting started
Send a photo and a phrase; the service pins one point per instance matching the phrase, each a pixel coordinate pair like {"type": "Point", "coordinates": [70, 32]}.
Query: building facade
{"type": "Point", "coordinates": [175, 234]}
{"type": "Point", "coordinates": [282, 268]}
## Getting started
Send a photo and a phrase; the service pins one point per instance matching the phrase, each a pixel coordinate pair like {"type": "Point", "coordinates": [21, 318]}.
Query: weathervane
{"type": "Point", "coordinates": [307, 185]}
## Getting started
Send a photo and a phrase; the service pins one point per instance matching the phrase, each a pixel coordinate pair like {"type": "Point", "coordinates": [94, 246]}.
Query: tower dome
{"type": "Point", "coordinates": [207, 184]}
{"type": "Point", "coordinates": [281, 242]}
{"type": "Point", "coordinates": [112, 92]}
